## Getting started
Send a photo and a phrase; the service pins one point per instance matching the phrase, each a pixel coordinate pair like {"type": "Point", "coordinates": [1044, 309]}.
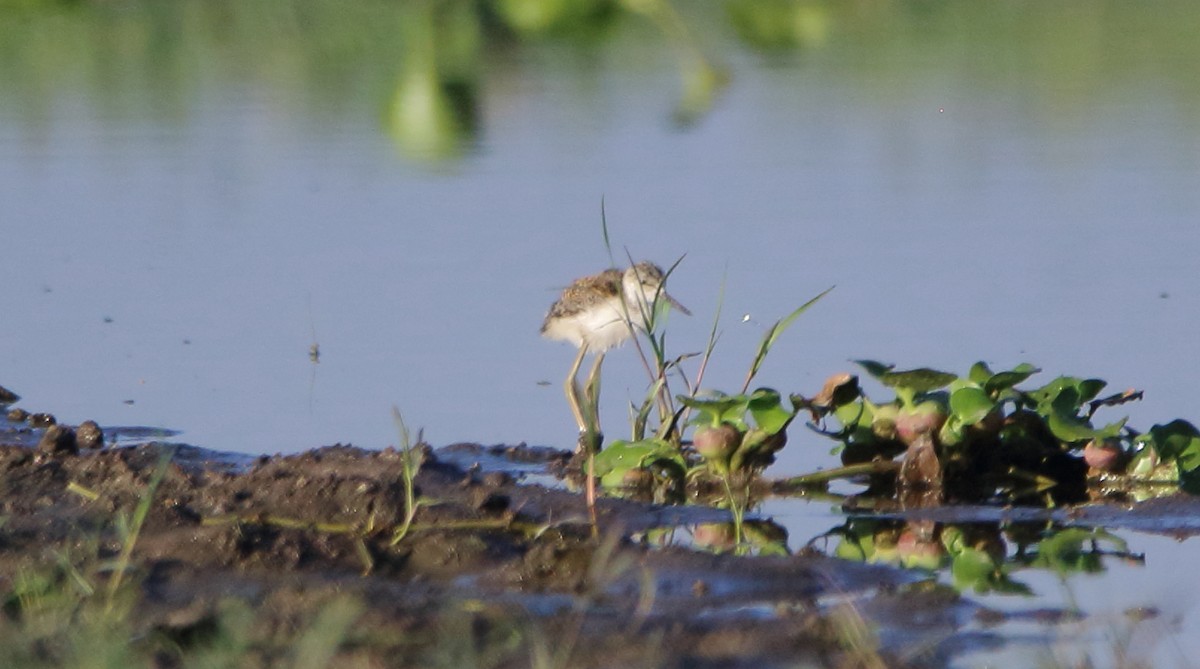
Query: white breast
{"type": "Point", "coordinates": [600, 328]}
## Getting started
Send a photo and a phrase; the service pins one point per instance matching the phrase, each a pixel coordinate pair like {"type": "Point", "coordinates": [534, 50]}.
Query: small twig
{"type": "Point", "coordinates": [360, 547]}
{"type": "Point", "coordinates": [827, 475]}
{"type": "Point", "coordinates": [86, 493]}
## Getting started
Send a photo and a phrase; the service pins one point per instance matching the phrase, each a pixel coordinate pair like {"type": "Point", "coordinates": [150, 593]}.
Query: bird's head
{"type": "Point", "coordinates": [643, 284]}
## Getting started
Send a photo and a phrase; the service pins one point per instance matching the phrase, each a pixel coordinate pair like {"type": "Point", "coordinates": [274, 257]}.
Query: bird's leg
{"type": "Point", "coordinates": [590, 438]}
{"type": "Point", "coordinates": [589, 410]}
{"type": "Point", "coordinates": [572, 389]}
{"type": "Point", "coordinates": [591, 394]}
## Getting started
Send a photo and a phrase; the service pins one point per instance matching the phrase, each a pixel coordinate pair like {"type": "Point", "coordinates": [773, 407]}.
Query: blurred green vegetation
{"type": "Point", "coordinates": [422, 67]}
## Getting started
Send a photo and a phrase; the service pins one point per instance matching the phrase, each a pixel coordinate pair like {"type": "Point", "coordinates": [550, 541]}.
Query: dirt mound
{"type": "Point", "coordinates": [488, 566]}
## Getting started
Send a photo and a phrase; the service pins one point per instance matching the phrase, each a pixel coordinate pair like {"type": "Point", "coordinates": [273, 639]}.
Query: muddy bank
{"type": "Point", "coordinates": [504, 571]}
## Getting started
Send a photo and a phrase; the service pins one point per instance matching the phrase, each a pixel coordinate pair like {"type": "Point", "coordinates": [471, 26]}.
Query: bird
{"type": "Point", "coordinates": [599, 312]}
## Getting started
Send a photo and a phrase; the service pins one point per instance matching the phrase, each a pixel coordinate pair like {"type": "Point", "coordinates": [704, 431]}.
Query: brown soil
{"type": "Point", "coordinates": [492, 573]}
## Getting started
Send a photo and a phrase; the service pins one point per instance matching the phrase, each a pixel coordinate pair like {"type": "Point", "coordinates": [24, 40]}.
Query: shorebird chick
{"type": "Point", "coordinates": [599, 312]}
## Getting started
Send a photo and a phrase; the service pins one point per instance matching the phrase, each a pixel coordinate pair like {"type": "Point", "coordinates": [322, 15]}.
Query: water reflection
{"type": "Point", "coordinates": [428, 63]}
{"type": "Point", "coordinates": [751, 537]}
{"type": "Point", "coordinates": [780, 26]}
{"type": "Point", "coordinates": [980, 557]}
{"type": "Point", "coordinates": [434, 112]}
{"type": "Point", "coordinates": [974, 557]}
{"type": "Point", "coordinates": [537, 18]}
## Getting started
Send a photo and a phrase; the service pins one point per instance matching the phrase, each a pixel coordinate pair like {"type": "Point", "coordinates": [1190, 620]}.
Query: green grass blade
{"type": "Point", "coordinates": [773, 334]}
{"type": "Point", "coordinates": [713, 336]}
{"type": "Point", "coordinates": [135, 525]}
{"type": "Point", "coordinates": [612, 261]}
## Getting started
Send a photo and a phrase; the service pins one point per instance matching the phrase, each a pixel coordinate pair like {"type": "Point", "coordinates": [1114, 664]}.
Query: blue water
{"type": "Point", "coordinates": [961, 218]}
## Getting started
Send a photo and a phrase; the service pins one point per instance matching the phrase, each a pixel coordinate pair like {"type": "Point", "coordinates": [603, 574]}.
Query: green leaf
{"type": "Point", "coordinates": [874, 367]}
{"type": "Point", "coordinates": [920, 380]}
{"type": "Point", "coordinates": [620, 457]}
{"type": "Point", "coordinates": [1090, 388]}
{"type": "Point", "coordinates": [641, 415]}
{"type": "Point", "coordinates": [951, 433]}
{"type": "Point", "coordinates": [753, 440]}
{"type": "Point", "coordinates": [980, 373]}
{"type": "Point", "coordinates": [854, 414]}
{"type": "Point", "coordinates": [718, 408]}
{"type": "Point", "coordinates": [1005, 380]}
{"type": "Point", "coordinates": [773, 333]}
{"type": "Point", "coordinates": [757, 449]}
{"type": "Point", "coordinates": [909, 383]}
{"type": "Point", "coordinates": [970, 404]}
{"type": "Point", "coordinates": [1084, 391]}
{"type": "Point", "coordinates": [1150, 465]}
{"type": "Point", "coordinates": [1178, 440]}
{"type": "Point", "coordinates": [767, 408]}
{"type": "Point", "coordinates": [1063, 419]}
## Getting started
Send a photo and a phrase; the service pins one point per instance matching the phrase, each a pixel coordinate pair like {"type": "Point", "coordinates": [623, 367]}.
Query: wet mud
{"type": "Point", "coordinates": [490, 567]}
{"type": "Point", "coordinates": [515, 568]}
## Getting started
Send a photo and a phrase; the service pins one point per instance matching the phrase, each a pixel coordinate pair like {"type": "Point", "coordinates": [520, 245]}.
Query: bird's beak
{"type": "Point", "coordinates": [673, 302]}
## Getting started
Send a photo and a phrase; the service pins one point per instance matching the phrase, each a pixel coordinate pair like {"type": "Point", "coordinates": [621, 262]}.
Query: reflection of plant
{"type": "Point", "coordinates": [541, 17]}
{"type": "Point", "coordinates": [976, 555]}
{"type": "Point", "coordinates": [1074, 550]}
{"type": "Point", "coordinates": [432, 113]}
{"type": "Point", "coordinates": [759, 537]}
{"type": "Point", "coordinates": [776, 26]}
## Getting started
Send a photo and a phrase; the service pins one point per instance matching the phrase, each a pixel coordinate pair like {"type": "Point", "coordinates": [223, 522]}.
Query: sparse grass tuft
{"type": "Point", "coordinates": [412, 457]}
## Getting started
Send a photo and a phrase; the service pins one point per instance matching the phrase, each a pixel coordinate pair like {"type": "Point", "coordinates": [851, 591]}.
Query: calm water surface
{"type": "Point", "coordinates": [193, 194]}
{"type": "Point", "coordinates": [186, 212]}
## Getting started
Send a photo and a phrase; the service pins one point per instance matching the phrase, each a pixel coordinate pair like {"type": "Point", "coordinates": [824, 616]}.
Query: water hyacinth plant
{"type": "Point", "coordinates": [975, 436]}
{"type": "Point", "coordinates": [734, 435]}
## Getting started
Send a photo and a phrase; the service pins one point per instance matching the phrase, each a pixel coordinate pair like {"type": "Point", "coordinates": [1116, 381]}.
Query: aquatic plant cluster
{"type": "Point", "coordinates": [978, 437]}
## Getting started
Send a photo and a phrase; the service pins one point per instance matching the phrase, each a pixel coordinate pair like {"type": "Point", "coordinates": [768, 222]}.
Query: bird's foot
{"type": "Point", "coordinates": [589, 441]}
